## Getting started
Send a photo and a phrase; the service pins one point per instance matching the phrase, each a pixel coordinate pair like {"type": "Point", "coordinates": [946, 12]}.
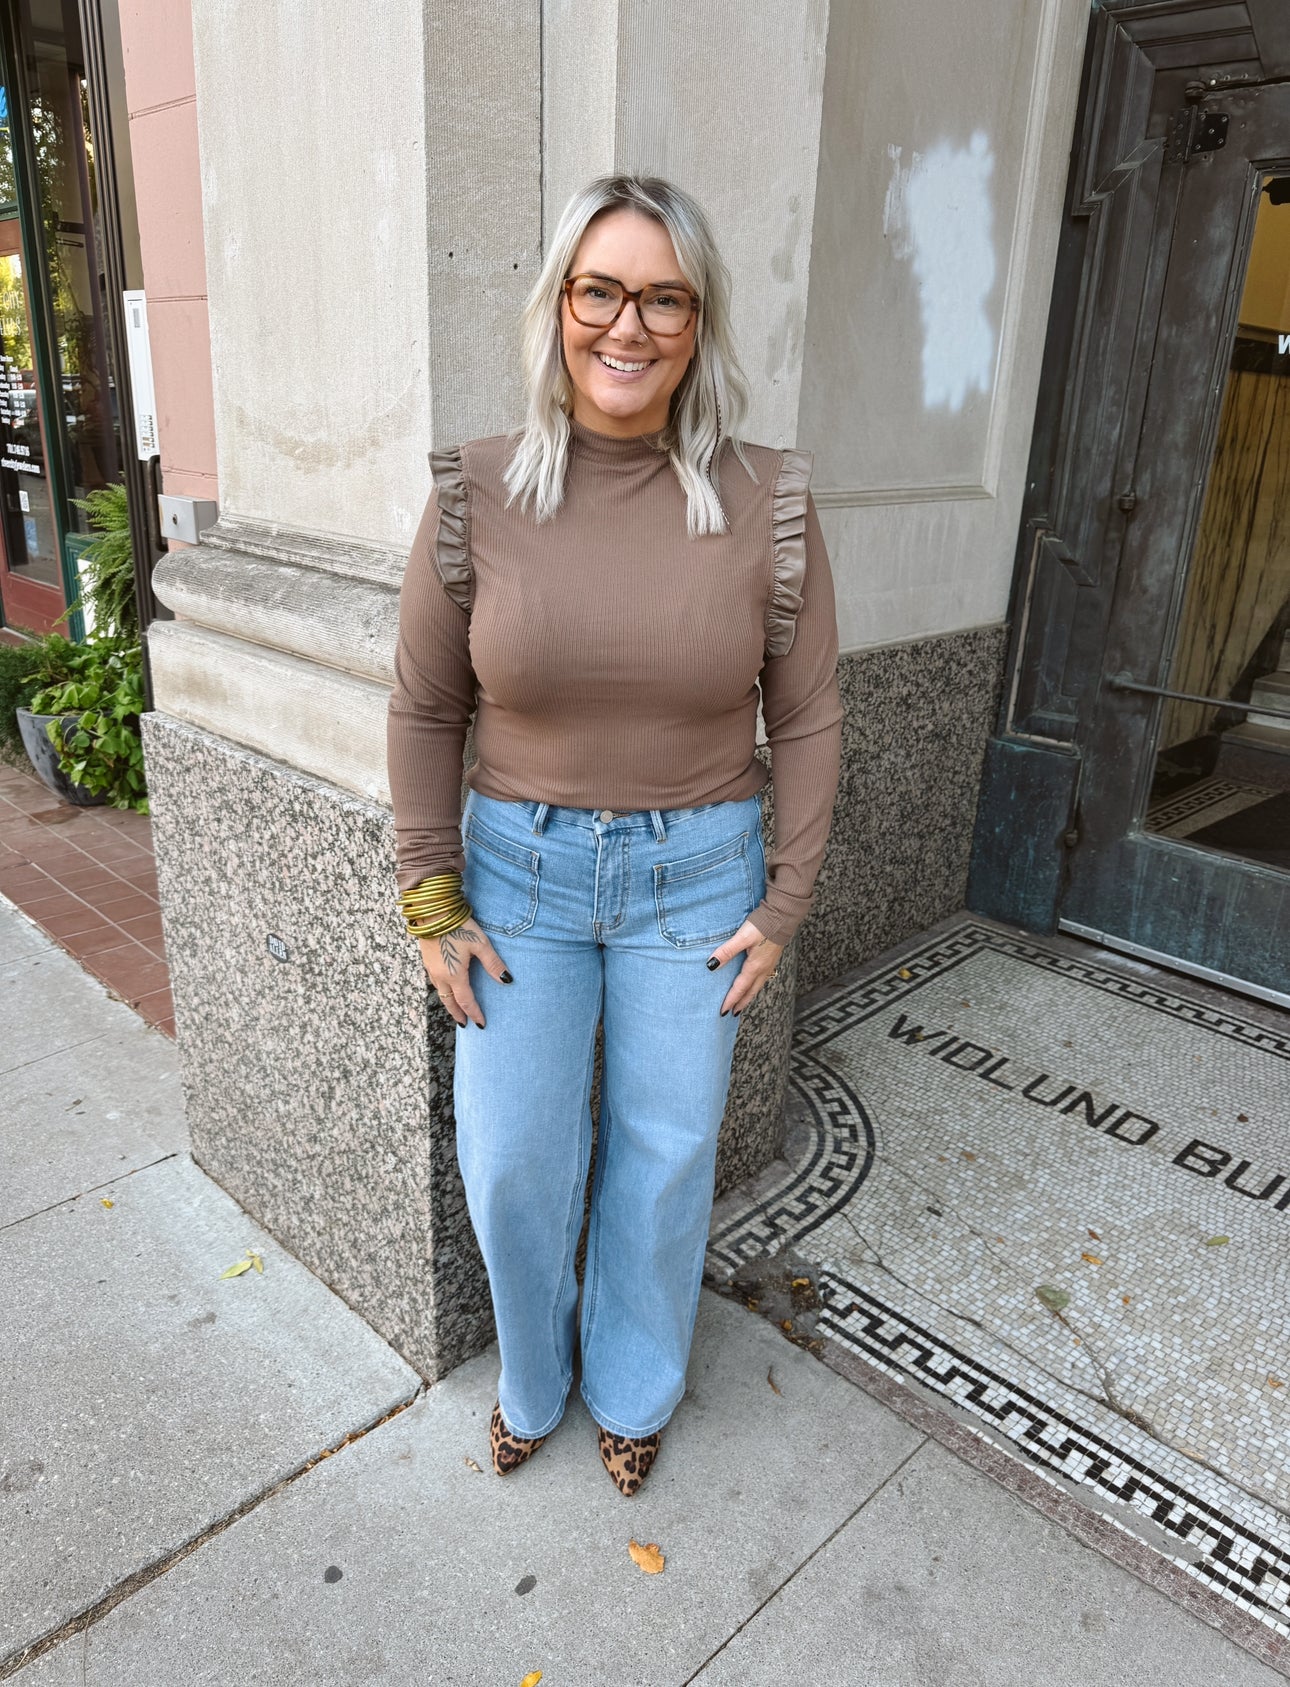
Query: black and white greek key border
{"type": "Point", "coordinates": [1245, 1562]}
{"type": "Point", "coordinates": [840, 1156]}
{"type": "Point", "coordinates": [854, 1003]}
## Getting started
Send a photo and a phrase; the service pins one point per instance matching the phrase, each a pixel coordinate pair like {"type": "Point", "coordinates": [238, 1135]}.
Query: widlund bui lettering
{"type": "Point", "coordinates": [1084, 1106]}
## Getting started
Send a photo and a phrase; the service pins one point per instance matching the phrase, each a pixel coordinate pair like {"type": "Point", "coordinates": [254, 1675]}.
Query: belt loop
{"type": "Point", "coordinates": [539, 819]}
{"type": "Point", "coordinates": [660, 830]}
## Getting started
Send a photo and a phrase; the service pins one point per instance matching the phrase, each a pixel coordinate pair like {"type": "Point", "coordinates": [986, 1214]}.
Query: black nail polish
{"type": "Point", "coordinates": [724, 1012]}
{"type": "Point", "coordinates": [713, 964]}
{"type": "Point", "coordinates": [506, 978]}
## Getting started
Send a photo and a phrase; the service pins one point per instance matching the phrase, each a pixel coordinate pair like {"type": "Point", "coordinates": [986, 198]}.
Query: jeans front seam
{"type": "Point", "coordinates": [591, 1279]}
{"type": "Point", "coordinates": [574, 1222]}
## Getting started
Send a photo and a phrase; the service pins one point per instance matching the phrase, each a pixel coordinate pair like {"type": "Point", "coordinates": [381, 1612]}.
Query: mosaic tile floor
{"type": "Point", "coordinates": [1204, 804]}
{"type": "Point", "coordinates": [1056, 1197]}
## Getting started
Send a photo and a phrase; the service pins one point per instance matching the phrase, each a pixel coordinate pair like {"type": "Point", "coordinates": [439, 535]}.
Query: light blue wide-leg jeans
{"type": "Point", "coordinates": [613, 915]}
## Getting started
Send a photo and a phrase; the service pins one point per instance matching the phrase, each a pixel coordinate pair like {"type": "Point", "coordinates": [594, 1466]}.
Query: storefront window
{"type": "Point", "coordinates": [1220, 778]}
{"type": "Point", "coordinates": [29, 529]}
{"type": "Point", "coordinates": [68, 209]}
{"type": "Point", "coordinates": [59, 429]}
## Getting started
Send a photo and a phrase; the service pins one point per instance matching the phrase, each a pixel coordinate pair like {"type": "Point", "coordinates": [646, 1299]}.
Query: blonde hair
{"type": "Point", "coordinates": [708, 406]}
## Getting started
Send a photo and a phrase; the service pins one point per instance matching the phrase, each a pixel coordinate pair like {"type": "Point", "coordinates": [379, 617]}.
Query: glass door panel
{"type": "Point", "coordinates": [1183, 813]}
{"type": "Point", "coordinates": [31, 582]}
{"type": "Point", "coordinates": [1222, 773]}
{"type": "Point", "coordinates": [68, 209]}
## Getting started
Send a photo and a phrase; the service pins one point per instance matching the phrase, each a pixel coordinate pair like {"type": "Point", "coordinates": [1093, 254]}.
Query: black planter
{"type": "Point", "coordinates": [44, 758]}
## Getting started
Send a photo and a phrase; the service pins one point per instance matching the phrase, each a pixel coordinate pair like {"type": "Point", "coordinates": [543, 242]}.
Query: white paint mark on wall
{"type": "Point", "coordinates": [1283, 344]}
{"type": "Point", "coordinates": [895, 220]}
{"type": "Point", "coordinates": [937, 212]}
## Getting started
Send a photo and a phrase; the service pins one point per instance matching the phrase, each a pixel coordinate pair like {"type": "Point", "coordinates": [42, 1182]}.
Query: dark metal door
{"type": "Point", "coordinates": [1201, 602]}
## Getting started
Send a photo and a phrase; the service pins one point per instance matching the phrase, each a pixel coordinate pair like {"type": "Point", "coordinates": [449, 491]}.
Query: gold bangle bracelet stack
{"type": "Point", "coordinates": [434, 906]}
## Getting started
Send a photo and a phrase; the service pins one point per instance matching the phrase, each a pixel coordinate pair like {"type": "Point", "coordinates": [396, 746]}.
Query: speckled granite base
{"type": "Point", "coordinates": [319, 1086]}
{"type": "Point", "coordinates": [917, 717]}
{"type": "Point", "coordinates": [319, 1090]}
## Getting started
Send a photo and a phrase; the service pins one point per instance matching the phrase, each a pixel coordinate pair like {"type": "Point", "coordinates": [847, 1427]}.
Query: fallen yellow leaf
{"type": "Point", "coordinates": [532, 1678]}
{"type": "Point", "coordinates": [904, 973]}
{"type": "Point", "coordinates": [1217, 1241]}
{"type": "Point", "coordinates": [1125, 1299]}
{"type": "Point", "coordinates": [1092, 1259]}
{"type": "Point", "coordinates": [770, 1378]}
{"type": "Point", "coordinates": [800, 1283]}
{"type": "Point", "coordinates": [108, 1203]}
{"type": "Point", "coordinates": [237, 1270]}
{"type": "Point", "coordinates": [473, 1465]}
{"type": "Point", "coordinates": [786, 1323]}
{"type": "Point", "coordinates": [648, 1558]}
{"type": "Point", "coordinates": [968, 1154]}
{"type": "Point", "coordinates": [1095, 1236]}
{"type": "Point", "coordinates": [1275, 1382]}
{"type": "Point", "coordinates": [256, 1261]}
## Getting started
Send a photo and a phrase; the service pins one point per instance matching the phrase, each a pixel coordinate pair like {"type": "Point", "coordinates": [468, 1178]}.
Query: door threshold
{"type": "Point", "coordinates": [1279, 998]}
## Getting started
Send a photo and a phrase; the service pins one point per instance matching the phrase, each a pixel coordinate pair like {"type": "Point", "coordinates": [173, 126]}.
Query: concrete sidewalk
{"type": "Point", "coordinates": [209, 1480]}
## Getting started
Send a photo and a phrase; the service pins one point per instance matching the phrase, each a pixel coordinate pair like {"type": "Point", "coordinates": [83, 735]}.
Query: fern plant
{"type": "Point", "coordinates": [107, 566]}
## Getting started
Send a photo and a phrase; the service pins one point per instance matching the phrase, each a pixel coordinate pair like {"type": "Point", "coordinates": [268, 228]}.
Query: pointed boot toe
{"type": "Point", "coordinates": [628, 1458]}
{"type": "Point", "coordinates": [509, 1451]}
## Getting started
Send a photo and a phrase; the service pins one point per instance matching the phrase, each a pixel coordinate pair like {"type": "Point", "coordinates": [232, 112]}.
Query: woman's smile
{"type": "Point", "coordinates": [621, 367]}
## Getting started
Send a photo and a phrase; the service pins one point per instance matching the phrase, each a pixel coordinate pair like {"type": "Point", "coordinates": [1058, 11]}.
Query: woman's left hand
{"type": "Point", "coordinates": [760, 961]}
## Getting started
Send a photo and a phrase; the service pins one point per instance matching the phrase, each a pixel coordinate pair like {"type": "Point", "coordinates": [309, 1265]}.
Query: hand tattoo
{"type": "Point", "coordinates": [449, 942]}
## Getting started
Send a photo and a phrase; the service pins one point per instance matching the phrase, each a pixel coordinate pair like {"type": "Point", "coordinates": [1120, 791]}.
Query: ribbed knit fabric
{"type": "Point", "coordinates": [612, 661]}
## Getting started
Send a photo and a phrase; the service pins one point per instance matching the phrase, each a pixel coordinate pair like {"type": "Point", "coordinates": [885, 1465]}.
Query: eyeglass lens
{"type": "Point", "coordinates": [596, 303]}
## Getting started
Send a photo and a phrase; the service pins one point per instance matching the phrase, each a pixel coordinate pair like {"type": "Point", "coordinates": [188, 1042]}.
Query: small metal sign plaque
{"type": "Point", "coordinates": [277, 948]}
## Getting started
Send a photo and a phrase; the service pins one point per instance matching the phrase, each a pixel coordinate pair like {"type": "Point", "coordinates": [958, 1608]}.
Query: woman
{"type": "Point", "coordinates": [605, 590]}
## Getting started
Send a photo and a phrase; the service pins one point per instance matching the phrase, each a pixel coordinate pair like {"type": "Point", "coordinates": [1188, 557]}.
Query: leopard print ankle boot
{"type": "Point", "coordinates": [509, 1451]}
{"type": "Point", "coordinates": [628, 1458]}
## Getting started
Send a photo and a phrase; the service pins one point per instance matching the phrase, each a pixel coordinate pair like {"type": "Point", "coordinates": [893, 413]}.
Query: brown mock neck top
{"type": "Point", "coordinates": [610, 660]}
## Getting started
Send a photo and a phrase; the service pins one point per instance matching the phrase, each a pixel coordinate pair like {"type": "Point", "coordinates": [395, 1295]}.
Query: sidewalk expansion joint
{"type": "Point", "coordinates": [84, 1620]}
{"type": "Point", "coordinates": [814, 1553]}
{"type": "Point", "coordinates": [51, 1054]}
{"type": "Point", "coordinates": [80, 1194]}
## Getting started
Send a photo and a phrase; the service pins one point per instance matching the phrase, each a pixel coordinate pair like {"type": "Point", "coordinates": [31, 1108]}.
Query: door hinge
{"type": "Point", "coordinates": [1192, 130]}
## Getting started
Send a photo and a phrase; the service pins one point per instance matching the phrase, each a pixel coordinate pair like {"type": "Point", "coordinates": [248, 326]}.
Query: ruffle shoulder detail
{"type": "Point", "coordinates": [452, 546]}
{"type": "Point", "coordinates": [788, 525]}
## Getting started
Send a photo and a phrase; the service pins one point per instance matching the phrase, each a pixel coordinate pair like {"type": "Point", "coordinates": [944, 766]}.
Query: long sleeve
{"type": "Point", "coordinates": [429, 714]}
{"type": "Point", "coordinates": [803, 714]}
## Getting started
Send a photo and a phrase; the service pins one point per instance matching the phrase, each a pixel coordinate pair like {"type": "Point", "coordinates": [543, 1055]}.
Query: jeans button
{"type": "Point", "coordinates": [606, 814]}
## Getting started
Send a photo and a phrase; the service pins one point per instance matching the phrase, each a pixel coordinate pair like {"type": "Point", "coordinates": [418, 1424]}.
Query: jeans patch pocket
{"type": "Point", "coordinates": [705, 898]}
{"type": "Point", "coordinates": [500, 880]}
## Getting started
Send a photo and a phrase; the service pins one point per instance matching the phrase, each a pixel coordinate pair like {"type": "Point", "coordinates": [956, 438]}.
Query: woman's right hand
{"type": "Point", "coordinates": [447, 959]}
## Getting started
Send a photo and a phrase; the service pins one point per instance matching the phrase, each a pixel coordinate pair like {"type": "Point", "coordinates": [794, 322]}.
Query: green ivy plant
{"type": "Point", "coordinates": [96, 724]}
{"type": "Point", "coordinates": [26, 669]}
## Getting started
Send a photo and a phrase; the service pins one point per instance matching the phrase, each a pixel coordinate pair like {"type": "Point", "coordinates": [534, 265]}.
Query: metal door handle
{"type": "Point", "coordinates": [1125, 682]}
